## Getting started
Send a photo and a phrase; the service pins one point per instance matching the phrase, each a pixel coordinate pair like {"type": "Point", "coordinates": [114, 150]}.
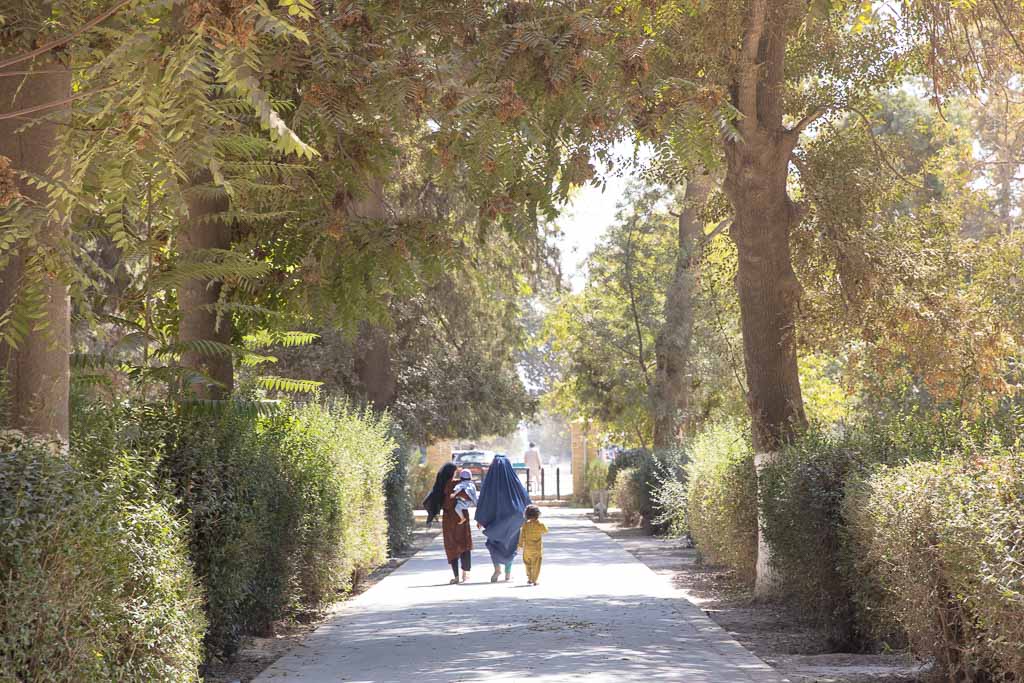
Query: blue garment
{"type": "Point", "coordinates": [503, 500]}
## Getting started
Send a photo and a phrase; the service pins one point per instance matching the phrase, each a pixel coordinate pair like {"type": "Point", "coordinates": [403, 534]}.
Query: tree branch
{"type": "Point", "coordinates": [881, 154]}
{"type": "Point", "coordinates": [50, 105]}
{"type": "Point", "coordinates": [812, 116]}
{"type": "Point", "coordinates": [17, 59]}
{"type": "Point", "coordinates": [749, 66]}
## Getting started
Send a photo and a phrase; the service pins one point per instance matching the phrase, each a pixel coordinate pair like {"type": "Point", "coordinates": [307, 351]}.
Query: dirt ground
{"type": "Point", "coordinates": [256, 654]}
{"type": "Point", "coordinates": [800, 653]}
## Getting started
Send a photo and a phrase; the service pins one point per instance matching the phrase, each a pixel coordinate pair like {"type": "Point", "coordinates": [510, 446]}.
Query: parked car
{"type": "Point", "coordinates": [477, 462]}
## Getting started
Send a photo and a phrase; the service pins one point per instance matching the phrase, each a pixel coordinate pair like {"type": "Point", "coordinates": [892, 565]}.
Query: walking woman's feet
{"type": "Point", "coordinates": [465, 577]}
{"type": "Point", "coordinates": [508, 577]}
{"type": "Point", "coordinates": [495, 575]}
{"type": "Point", "coordinates": [453, 581]}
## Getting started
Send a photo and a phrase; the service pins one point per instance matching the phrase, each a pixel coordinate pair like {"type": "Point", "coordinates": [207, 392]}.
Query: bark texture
{"type": "Point", "coordinates": [205, 229]}
{"type": "Point", "coordinates": [755, 182]}
{"type": "Point", "coordinates": [373, 358]}
{"type": "Point", "coordinates": [38, 371]}
{"type": "Point", "coordinates": [670, 391]}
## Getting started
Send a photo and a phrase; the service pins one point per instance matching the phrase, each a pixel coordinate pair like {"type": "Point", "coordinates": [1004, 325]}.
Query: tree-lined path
{"type": "Point", "coordinates": [597, 615]}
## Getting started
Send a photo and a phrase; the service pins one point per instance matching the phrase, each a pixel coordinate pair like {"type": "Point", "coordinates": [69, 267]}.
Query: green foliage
{"type": "Point", "coordinates": [96, 584]}
{"type": "Point", "coordinates": [649, 474]}
{"type": "Point", "coordinates": [802, 493]}
{"type": "Point", "coordinates": [596, 477]}
{"type": "Point", "coordinates": [421, 479]}
{"type": "Point", "coordinates": [628, 494]}
{"type": "Point", "coordinates": [290, 509]}
{"type": "Point", "coordinates": [942, 540]}
{"type": "Point", "coordinates": [399, 502]}
{"type": "Point", "coordinates": [721, 498]}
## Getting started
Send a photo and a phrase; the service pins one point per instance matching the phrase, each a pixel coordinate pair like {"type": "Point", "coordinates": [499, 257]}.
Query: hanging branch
{"type": "Point", "coordinates": [46, 47]}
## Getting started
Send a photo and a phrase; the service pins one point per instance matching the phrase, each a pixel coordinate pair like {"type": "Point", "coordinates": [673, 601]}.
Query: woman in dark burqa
{"type": "Point", "coordinates": [458, 538]}
{"type": "Point", "coordinates": [503, 499]}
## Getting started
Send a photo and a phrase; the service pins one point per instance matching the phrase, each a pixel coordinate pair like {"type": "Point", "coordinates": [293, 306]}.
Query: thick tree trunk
{"type": "Point", "coordinates": [670, 391]}
{"type": "Point", "coordinates": [757, 170]}
{"type": "Point", "coordinates": [374, 367]}
{"type": "Point", "coordinates": [373, 362]}
{"type": "Point", "coordinates": [205, 229]}
{"type": "Point", "coordinates": [767, 286]}
{"type": "Point", "coordinates": [38, 372]}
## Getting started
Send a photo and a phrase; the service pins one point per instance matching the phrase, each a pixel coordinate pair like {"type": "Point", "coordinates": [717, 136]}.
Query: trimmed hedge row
{"type": "Point", "coordinates": [94, 579]}
{"type": "Point", "coordinates": [721, 498]}
{"type": "Point", "coordinates": [166, 536]}
{"type": "Point", "coordinates": [906, 533]}
{"type": "Point", "coordinates": [286, 510]}
{"type": "Point", "coordinates": [944, 543]}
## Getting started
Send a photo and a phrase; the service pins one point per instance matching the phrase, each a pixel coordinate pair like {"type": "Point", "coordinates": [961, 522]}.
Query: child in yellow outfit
{"type": "Point", "coordinates": [531, 542]}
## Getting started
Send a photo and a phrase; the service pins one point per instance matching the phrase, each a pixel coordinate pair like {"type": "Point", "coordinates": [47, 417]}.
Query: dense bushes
{"type": "Point", "coordinates": [94, 581]}
{"type": "Point", "coordinates": [637, 477]}
{"type": "Point", "coordinates": [286, 510]}
{"type": "Point", "coordinates": [802, 494]}
{"type": "Point", "coordinates": [721, 498]}
{"type": "Point", "coordinates": [628, 494]}
{"type": "Point", "coordinates": [398, 497]}
{"type": "Point", "coordinates": [945, 543]}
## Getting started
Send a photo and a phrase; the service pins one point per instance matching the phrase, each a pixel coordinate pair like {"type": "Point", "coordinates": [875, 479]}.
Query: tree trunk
{"type": "Point", "coordinates": [374, 367]}
{"type": "Point", "coordinates": [373, 362]}
{"type": "Point", "coordinates": [670, 391]}
{"type": "Point", "coordinates": [767, 287]}
{"type": "Point", "coordinates": [757, 170]}
{"type": "Point", "coordinates": [38, 371]}
{"type": "Point", "coordinates": [205, 229]}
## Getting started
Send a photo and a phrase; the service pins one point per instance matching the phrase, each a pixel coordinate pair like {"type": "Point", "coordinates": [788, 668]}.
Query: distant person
{"type": "Point", "coordinates": [503, 501]}
{"type": "Point", "coordinates": [531, 542]}
{"type": "Point", "coordinates": [532, 459]}
{"type": "Point", "coordinates": [464, 494]}
{"type": "Point", "coordinates": [458, 539]}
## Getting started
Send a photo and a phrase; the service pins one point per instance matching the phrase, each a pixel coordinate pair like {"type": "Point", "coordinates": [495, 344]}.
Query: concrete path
{"type": "Point", "coordinates": [597, 615]}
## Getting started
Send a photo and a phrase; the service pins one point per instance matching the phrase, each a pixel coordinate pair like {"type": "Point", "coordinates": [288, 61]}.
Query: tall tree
{"type": "Point", "coordinates": [35, 336]}
{"type": "Point", "coordinates": [670, 391]}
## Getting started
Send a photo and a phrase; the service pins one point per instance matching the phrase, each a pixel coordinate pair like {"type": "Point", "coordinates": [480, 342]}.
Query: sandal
{"type": "Point", "coordinates": [494, 577]}
{"type": "Point", "coordinates": [453, 581]}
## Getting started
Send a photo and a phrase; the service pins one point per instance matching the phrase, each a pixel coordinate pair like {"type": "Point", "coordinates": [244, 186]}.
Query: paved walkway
{"type": "Point", "coordinates": [597, 615]}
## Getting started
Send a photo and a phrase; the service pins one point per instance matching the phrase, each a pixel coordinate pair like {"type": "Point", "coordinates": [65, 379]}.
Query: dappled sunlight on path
{"type": "Point", "coordinates": [597, 615]}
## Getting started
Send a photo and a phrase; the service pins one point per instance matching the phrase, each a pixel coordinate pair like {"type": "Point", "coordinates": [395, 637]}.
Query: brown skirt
{"type": "Point", "coordinates": [458, 538]}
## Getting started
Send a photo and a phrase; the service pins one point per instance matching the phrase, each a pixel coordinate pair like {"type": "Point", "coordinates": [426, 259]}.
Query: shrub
{"type": "Point", "coordinates": [650, 473]}
{"type": "Point", "coordinates": [802, 493]}
{"type": "Point", "coordinates": [94, 582]}
{"type": "Point", "coordinates": [628, 494]}
{"type": "Point", "coordinates": [722, 498]}
{"type": "Point", "coordinates": [421, 479]}
{"type": "Point", "coordinates": [944, 542]}
{"type": "Point", "coordinates": [286, 510]}
{"type": "Point", "coordinates": [596, 478]}
{"type": "Point", "coordinates": [398, 501]}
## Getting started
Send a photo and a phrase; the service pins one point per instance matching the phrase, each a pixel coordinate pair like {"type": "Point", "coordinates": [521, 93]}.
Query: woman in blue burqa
{"type": "Point", "coordinates": [499, 512]}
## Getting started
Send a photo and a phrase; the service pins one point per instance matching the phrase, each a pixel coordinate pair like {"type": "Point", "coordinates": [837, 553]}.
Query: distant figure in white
{"type": "Point", "coordinates": [532, 459]}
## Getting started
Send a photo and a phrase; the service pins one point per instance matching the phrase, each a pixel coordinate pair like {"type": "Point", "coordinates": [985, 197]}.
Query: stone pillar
{"type": "Point", "coordinates": [578, 438]}
{"type": "Point", "coordinates": [438, 453]}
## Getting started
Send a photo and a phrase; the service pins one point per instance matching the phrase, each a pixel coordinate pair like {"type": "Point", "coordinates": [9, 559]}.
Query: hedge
{"type": "Point", "coordinates": [648, 474]}
{"type": "Point", "coordinates": [944, 542]}
{"type": "Point", "coordinates": [721, 498]}
{"type": "Point", "coordinates": [94, 580]}
{"type": "Point", "coordinates": [287, 510]}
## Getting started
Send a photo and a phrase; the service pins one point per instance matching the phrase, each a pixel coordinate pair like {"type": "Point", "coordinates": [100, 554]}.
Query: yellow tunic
{"type": "Point", "coordinates": [531, 542]}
